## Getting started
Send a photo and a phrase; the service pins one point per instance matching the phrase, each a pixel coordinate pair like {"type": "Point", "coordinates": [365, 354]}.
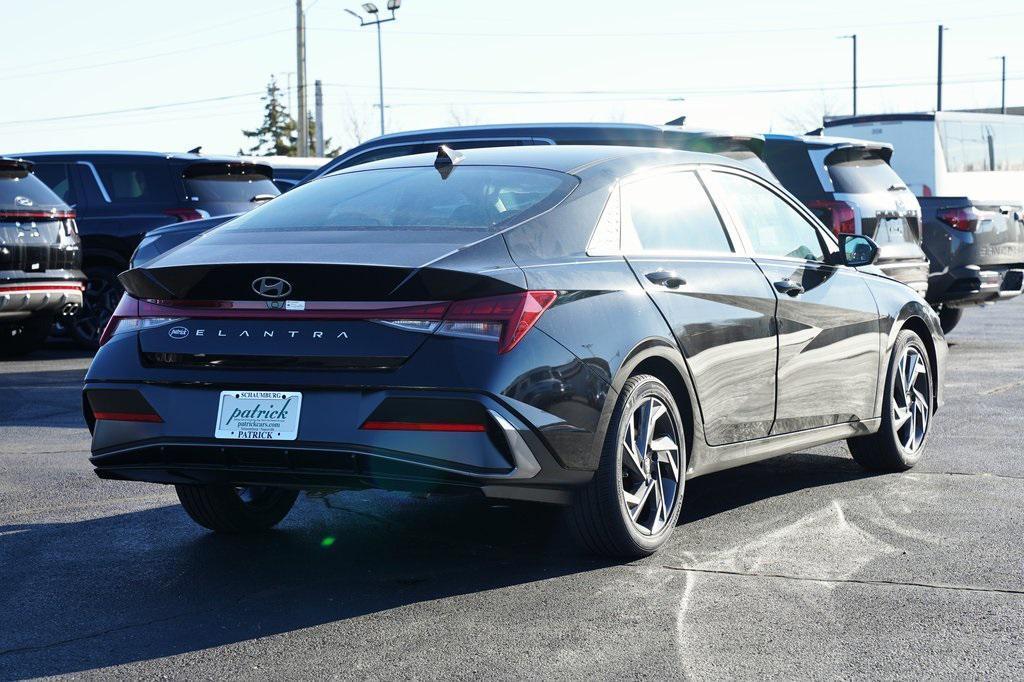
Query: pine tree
{"type": "Point", "coordinates": [277, 136]}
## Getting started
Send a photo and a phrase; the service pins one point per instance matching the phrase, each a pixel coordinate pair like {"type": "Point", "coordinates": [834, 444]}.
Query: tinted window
{"type": "Point", "coordinates": [672, 212]}
{"type": "Point", "coordinates": [863, 175]}
{"type": "Point", "coordinates": [775, 228]}
{"type": "Point", "coordinates": [486, 197]}
{"type": "Point", "coordinates": [20, 191]}
{"type": "Point", "coordinates": [380, 153]}
{"type": "Point", "coordinates": [136, 182]}
{"type": "Point", "coordinates": [57, 177]}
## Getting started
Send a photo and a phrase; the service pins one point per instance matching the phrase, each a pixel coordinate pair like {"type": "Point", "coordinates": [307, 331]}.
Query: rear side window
{"type": "Point", "coordinates": [420, 198]}
{"type": "Point", "coordinates": [57, 177]}
{"type": "Point", "coordinates": [139, 183]}
{"type": "Point", "coordinates": [230, 182]}
{"type": "Point", "coordinates": [671, 212]}
{"type": "Point", "coordinates": [20, 190]}
{"type": "Point", "coordinates": [773, 226]}
{"type": "Point", "coordinates": [861, 174]}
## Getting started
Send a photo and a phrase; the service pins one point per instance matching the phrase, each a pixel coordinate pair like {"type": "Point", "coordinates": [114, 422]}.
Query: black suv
{"type": "Point", "coordinates": [120, 196]}
{"type": "Point", "coordinates": [40, 259]}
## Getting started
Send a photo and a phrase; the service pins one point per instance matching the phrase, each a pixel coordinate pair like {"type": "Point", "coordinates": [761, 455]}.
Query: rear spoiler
{"type": "Point", "coordinates": [8, 164]}
{"type": "Point", "coordinates": [852, 151]}
{"type": "Point", "coordinates": [206, 168]}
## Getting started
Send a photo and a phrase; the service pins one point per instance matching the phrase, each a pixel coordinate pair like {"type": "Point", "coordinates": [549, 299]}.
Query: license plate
{"type": "Point", "coordinates": [889, 231]}
{"type": "Point", "coordinates": [258, 415]}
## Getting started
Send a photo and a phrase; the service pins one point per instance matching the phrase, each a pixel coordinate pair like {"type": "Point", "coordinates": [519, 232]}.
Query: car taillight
{"type": "Point", "coordinates": [127, 317]}
{"type": "Point", "coordinates": [52, 214]}
{"type": "Point", "coordinates": [504, 319]}
{"type": "Point", "coordinates": [838, 215]}
{"type": "Point", "coordinates": [184, 214]}
{"type": "Point", "coordinates": [964, 219]}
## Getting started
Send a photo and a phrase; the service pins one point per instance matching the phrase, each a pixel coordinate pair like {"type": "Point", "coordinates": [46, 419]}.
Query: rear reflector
{"type": "Point", "coordinates": [121, 405]}
{"type": "Point", "coordinates": [423, 426]}
{"type": "Point", "coordinates": [127, 417]}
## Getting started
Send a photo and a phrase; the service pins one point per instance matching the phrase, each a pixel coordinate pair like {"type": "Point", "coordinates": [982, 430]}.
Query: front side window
{"type": "Point", "coordinates": [420, 198]}
{"type": "Point", "coordinates": [671, 212]}
{"type": "Point", "coordinates": [774, 227]}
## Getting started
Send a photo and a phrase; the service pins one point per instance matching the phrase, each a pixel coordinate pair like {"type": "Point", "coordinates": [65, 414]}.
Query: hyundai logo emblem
{"type": "Point", "coordinates": [271, 287]}
{"type": "Point", "coordinates": [177, 332]}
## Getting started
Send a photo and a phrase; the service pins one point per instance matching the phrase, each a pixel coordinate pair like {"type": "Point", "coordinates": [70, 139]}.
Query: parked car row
{"type": "Point", "coordinates": [955, 249]}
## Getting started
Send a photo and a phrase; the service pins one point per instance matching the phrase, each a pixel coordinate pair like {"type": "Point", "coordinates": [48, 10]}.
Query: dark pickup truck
{"type": "Point", "coordinates": [976, 249]}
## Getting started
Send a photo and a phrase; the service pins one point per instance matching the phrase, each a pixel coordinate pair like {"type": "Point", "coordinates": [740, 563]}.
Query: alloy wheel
{"type": "Point", "coordinates": [911, 399]}
{"type": "Point", "coordinates": [652, 476]}
{"type": "Point", "coordinates": [99, 300]}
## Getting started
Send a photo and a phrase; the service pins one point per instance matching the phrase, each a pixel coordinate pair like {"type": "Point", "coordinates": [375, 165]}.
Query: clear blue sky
{"type": "Point", "coordinates": [448, 61]}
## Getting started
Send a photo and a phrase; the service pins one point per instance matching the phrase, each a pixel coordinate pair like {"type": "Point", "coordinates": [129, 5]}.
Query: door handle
{"type": "Point", "coordinates": [666, 279]}
{"type": "Point", "coordinates": [788, 286]}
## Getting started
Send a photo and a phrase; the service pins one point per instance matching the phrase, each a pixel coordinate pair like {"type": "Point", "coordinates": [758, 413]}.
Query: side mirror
{"type": "Point", "coordinates": [857, 250]}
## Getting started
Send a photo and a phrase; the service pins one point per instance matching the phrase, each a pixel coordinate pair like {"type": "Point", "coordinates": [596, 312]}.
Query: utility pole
{"type": "Point", "coordinates": [1002, 107]}
{"type": "Point", "coordinates": [854, 38]}
{"type": "Point", "coordinates": [319, 117]}
{"type": "Point", "coordinates": [300, 48]}
{"type": "Point", "coordinates": [938, 94]}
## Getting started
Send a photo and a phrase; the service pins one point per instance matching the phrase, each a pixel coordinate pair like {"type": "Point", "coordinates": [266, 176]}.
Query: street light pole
{"type": "Point", "coordinates": [1002, 106]}
{"type": "Point", "coordinates": [372, 10]}
{"type": "Point", "coordinates": [854, 39]}
{"type": "Point", "coordinates": [938, 94]}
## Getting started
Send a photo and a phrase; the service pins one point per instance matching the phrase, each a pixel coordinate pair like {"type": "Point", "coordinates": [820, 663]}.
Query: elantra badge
{"type": "Point", "coordinates": [271, 287]}
{"type": "Point", "coordinates": [177, 332]}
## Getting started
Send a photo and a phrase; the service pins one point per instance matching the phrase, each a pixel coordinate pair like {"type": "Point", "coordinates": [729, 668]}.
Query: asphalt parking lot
{"type": "Point", "coordinates": [801, 566]}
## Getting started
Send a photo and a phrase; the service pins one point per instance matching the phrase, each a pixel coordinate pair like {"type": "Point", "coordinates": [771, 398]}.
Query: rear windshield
{"type": "Point", "coordinates": [751, 161]}
{"type": "Point", "coordinates": [860, 176]}
{"type": "Point", "coordinates": [20, 190]}
{"type": "Point", "coordinates": [229, 182]}
{"type": "Point", "coordinates": [489, 197]}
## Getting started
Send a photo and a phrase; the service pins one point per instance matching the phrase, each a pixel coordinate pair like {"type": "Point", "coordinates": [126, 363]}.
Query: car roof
{"type": "Point", "coordinates": [539, 128]}
{"type": "Point", "coordinates": [94, 153]}
{"type": "Point", "coordinates": [572, 159]}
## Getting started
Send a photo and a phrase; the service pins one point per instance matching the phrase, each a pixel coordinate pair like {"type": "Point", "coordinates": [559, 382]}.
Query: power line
{"type": "Point", "coordinates": [151, 107]}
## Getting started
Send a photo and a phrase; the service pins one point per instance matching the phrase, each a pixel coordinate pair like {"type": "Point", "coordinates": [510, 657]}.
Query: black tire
{"type": "Point", "coordinates": [949, 318]}
{"type": "Point", "coordinates": [226, 509]}
{"type": "Point", "coordinates": [102, 293]}
{"type": "Point", "coordinates": [24, 336]}
{"type": "Point", "coordinates": [886, 450]}
{"type": "Point", "coordinates": [599, 512]}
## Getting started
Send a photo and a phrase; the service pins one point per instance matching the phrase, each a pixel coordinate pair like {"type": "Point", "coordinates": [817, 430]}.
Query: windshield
{"type": "Point", "coordinates": [860, 176]}
{"type": "Point", "coordinates": [20, 190]}
{"type": "Point", "coordinates": [489, 197]}
{"type": "Point", "coordinates": [229, 182]}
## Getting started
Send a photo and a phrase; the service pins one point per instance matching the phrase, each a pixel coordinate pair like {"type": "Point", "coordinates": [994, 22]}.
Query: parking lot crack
{"type": "Point", "coordinates": [854, 581]}
{"type": "Point", "coordinates": [91, 635]}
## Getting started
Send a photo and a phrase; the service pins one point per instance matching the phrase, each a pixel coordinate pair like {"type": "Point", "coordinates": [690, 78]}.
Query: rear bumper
{"type": "Point", "coordinates": [20, 299]}
{"type": "Point", "coordinates": [913, 273]}
{"type": "Point", "coordinates": [507, 461]}
{"type": "Point", "coordinates": [972, 285]}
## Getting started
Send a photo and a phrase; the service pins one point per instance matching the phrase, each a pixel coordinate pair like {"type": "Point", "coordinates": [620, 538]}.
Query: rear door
{"type": "Point", "coordinates": [828, 323]}
{"type": "Point", "coordinates": [716, 301]}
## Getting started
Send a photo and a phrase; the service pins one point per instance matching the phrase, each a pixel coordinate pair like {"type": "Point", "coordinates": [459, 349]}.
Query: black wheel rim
{"type": "Point", "coordinates": [98, 303]}
{"type": "Point", "coordinates": [652, 473]}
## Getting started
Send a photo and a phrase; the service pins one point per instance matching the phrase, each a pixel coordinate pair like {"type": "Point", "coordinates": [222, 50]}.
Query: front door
{"type": "Point", "coordinates": [718, 304]}
{"type": "Point", "coordinates": [828, 322]}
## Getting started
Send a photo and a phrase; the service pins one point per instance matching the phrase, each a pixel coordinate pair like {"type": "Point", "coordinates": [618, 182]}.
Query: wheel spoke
{"type": "Point", "coordinates": [644, 432]}
{"type": "Point", "coordinates": [900, 415]}
{"type": "Point", "coordinates": [641, 496]}
{"type": "Point", "coordinates": [665, 448]}
{"type": "Point", "coordinates": [911, 371]}
{"type": "Point", "coordinates": [632, 461]}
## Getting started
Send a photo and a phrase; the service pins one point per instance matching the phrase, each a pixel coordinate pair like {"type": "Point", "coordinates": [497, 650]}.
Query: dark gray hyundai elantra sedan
{"type": "Point", "coordinates": [590, 326]}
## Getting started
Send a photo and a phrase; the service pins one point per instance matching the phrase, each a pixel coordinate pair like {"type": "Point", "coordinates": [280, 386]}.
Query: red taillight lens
{"type": "Point", "coordinates": [838, 215]}
{"type": "Point", "coordinates": [183, 214]}
{"type": "Point", "coordinates": [52, 214]}
{"type": "Point", "coordinates": [504, 318]}
{"type": "Point", "coordinates": [127, 308]}
{"type": "Point", "coordinates": [964, 218]}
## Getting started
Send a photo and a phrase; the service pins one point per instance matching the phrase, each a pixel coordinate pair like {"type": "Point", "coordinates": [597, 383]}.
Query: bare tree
{"type": "Point", "coordinates": [461, 117]}
{"type": "Point", "coordinates": [811, 116]}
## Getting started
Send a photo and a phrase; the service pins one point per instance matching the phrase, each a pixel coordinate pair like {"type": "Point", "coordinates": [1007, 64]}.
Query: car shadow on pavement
{"type": "Point", "coordinates": [137, 586]}
{"type": "Point", "coordinates": [44, 398]}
